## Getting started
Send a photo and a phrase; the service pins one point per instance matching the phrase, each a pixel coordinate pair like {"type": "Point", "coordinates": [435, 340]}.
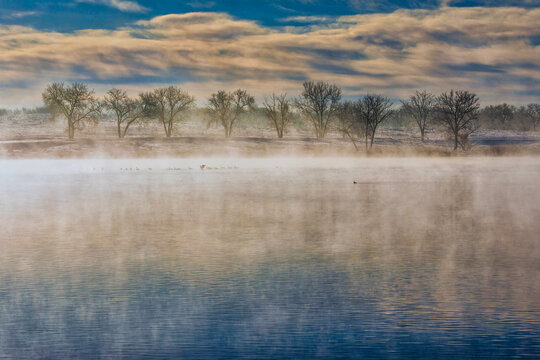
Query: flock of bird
{"type": "Point", "coordinates": [202, 167]}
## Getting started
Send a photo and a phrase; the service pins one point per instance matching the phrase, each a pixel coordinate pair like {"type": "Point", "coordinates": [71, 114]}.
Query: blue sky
{"type": "Point", "coordinates": [390, 46]}
{"type": "Point", "coordinates": [70, 15]}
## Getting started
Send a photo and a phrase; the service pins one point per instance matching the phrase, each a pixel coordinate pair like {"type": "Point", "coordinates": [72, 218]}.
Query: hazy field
{"type": "Point", "coordinates": [35, 136]}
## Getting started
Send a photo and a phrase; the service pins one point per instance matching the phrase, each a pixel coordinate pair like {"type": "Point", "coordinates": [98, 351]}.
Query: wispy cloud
{"type": "Point", "coordinates": [506, 3]}
{"type": "Point", "coordinates": [197, 4]}
{"type": "Point", "coordinates": [308, 19]}
{"type": "Point", "coordinates": [390, 5]}
{"type": "Point", "coordinates": [18, 14]}
{"type": "Point", "coordinates": [122, 5]}
{"type": "Point", "coordinates": [488, 50]}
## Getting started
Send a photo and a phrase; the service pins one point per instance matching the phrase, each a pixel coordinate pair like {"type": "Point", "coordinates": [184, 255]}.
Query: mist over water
{"type": "Point", "coordinates": [270, 258]}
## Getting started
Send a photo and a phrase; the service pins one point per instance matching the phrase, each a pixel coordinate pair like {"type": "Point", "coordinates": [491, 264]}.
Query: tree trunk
{"type": "Point", "coordinates": [455, 141]}
{"type": "Point", "coordinates": [71, 130]}
{"type": "Point", "coordinates": [119, 130]}
{"type": "Point", "coordinates": [228, 131]}
{"type": "Point", "coordinates": [422, 131]}
{"type": "Point", "coordinates": [353, 142]}
{"type": "Point", "coordinates": [164, 127]}
{"type": "Point", "coordinates": [125, 131]}
{"type": "Point", "coordinates": [366, 142]}
{"type": "Point", "coordinates": [318, 129]}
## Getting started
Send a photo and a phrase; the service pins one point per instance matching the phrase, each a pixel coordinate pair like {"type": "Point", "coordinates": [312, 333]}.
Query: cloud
{"type": "Point", "coordinates": [308, 19]}
{"type": "Point", "coordinates": [390, 5]}
{"type": "Point", "coordinates": [506, 3]}
{"type": "Point", "coordinates": [486, 50]}
{"type": "Point", "coordinates": [122, 5]}
{"type": "Point", "coordinates": [18, 14]}
{"type": "Point", "coordinates": [204, 26]}
{"type": "Point", "coordinates": [201, 4]}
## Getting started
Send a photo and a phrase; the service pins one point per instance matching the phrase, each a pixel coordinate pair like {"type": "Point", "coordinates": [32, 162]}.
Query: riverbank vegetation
{"type": "Point", "coordinates": [454, 115]}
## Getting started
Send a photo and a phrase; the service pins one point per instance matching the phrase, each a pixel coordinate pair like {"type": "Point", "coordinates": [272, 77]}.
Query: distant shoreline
{"type": "Point", "coordinates": [252, 146]}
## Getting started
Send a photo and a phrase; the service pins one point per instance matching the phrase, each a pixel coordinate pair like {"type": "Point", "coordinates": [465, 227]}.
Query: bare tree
{"type": "Point", "coordinates": [502, 114]}
{"type": "Point", "coordinates": [76, 103]}
{"type": "Point", "coordinates": [126, 110]}
{"type": "Point", "coordinates": [533, 113]}
{"type": "Point", "coordinates": [319, 103]}
{"type": "Point", "coordinates": [226, 108]}
{"type": "Point", "coordinates": [360, 119]}
{"type": "Point", "coordinates": [169, 105]}
{"type": "Point", "coordinates": [278, 111]}
{"type": "Point", "coordinates": [420, 107]}
{"type": "Point", "coordinates": [458, 112]}
{"type": "Point", "coordinates": [350, 122]}
{"type": "Point", "coordinates": [373, 110]}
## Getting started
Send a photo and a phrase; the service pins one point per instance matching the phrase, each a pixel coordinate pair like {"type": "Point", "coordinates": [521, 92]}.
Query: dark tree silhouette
{"type": "Point", "coordinates": [350, 122]}
{"type": "Point", "coordinates": [226, 108]}
{"type": "Point", "coordinates": [533, 113]}
{"type": "Point", "coordinates": [458, 112]}
{"type": "Point", "coordinates": [278, 112]}
{"type": "Point", "coordinates": [169, 105]}
{"type": "Point", "coordinates": [360, 119]}
{"type": "Point", "coordinates": [76, 103]}
{"type": "Point", "coordinates": [373, 110]}
{"type": "Point", "coordinates": [420, 107]}
{"type": "Point", "coordinates": [502, 114]}
{"type": "Point", "coordinates": [126, 110]}
{"type": "Point", "coordinates": [319, 103]}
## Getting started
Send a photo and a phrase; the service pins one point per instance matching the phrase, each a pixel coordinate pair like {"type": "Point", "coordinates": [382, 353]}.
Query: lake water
{"type": "Point", "coordinates": [270, 258]}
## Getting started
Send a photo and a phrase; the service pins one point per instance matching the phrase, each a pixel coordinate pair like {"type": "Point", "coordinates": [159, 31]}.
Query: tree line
{"type": "Point", "coordinates": [504, 116]}
{"type": "Point", "coordinates": [457, 112]}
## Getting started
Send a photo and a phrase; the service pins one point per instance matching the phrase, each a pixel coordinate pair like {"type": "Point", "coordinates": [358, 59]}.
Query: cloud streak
{"type": "Point", "coordinates": [122, 5]}
{"type": "Point", "coordinates": [18, 14]}
{"type": "Point", "coordinates": [487, 50]}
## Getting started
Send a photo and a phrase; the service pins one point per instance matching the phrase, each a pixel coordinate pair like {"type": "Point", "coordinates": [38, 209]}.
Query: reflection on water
{"type": "Point", "coordinates": [269, 258]}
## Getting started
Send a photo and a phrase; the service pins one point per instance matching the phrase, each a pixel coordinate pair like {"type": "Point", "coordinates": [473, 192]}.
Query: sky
{"type": "Point", "coordinates": [392, 47]}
